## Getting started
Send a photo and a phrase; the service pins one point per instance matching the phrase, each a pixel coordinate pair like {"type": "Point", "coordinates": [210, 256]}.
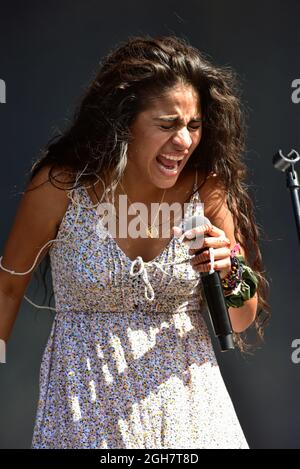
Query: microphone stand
{"type": "Point", "coordinates": [286, 164]}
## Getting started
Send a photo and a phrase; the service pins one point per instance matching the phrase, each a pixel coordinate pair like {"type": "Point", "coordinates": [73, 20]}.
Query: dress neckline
{"type": "Point", "coordinates": [125, 257]}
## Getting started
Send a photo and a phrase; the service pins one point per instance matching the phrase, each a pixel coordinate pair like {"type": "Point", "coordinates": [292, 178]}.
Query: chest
{"type": "Point", "coordinates": [129, 229]}
{"type": "Point", "coordinates": [137, 235]}
{"type": "Point", "coordinates": [146, 248]}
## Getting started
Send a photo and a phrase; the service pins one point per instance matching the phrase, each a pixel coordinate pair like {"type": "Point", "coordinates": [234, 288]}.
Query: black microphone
{"type": "Point", "coordinates": [217, 308]}
{"type": "Point", "coordinates": [213, 290]}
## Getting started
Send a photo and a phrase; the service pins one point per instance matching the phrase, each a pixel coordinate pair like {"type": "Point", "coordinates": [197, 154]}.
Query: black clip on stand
{"type": "Point", "coordinates": [286, 165]}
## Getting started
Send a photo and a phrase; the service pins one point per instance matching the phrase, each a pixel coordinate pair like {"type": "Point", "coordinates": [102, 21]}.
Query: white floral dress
{"type": "Point", "coordinates": [129, 362]}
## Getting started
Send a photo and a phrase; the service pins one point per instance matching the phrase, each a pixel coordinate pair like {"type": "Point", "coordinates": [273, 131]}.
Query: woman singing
{"type": "Point", "coordinates": [129, 362]}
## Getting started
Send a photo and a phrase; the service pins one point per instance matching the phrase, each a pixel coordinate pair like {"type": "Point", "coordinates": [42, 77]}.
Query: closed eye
{"type": "Point", "coordinates": [168, 128]}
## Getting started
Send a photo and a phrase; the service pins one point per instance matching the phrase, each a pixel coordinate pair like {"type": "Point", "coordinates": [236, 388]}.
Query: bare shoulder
{"type": "Point", "coordinates": [36, 222]}
{"type": "Point", "coordinates": [212, 194]}
{"type": "Point", "coordinates": [209, 184]}
{"type": "Point", "coordinates": [49, 195]}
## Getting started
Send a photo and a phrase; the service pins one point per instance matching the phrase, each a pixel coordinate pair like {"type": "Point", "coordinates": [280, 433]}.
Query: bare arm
{"type": "Point", "coordinates": [9, 308]}
{"type": "Point", "coordinates": [36, 222]}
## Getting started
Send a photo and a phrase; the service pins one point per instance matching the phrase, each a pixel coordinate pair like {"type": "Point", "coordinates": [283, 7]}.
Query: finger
{"type": "Point", "coordinates": [220, 254]}
{"type": "Point", "coordinates": [209, 230]}
{"type": "Point", "coordinates": [194, 237]}
{"type": "Point", "coordinates": [212, 243]}
{"type": "Point", "coordinates": [177, 231]}
{"type": "Point", "coordinates": [206, 267]}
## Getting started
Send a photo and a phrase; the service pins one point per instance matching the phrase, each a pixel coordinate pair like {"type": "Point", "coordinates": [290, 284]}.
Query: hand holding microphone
{"type": "Point", "coordinates": [212, 259]}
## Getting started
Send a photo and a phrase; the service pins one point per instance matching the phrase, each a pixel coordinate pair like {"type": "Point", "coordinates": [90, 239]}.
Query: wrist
{"type": "Point", "coordinates": [244, 288]}
{"type": "Point", "coordinates": [233, 277]}
{"type": "Point", "coordinates": [225, 272]}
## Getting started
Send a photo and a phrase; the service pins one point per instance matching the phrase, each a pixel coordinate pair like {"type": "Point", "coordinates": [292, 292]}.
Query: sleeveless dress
{"type": "Point", "coordinates": [129, 362]}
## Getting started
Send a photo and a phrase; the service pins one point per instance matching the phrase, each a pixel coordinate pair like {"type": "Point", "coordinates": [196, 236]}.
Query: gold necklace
{"type": "Point", "coordinates": [151, 229]}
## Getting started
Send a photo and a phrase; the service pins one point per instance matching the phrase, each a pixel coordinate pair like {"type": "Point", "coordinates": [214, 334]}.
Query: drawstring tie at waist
{"type": "Point", "coordinates": [142, 272]}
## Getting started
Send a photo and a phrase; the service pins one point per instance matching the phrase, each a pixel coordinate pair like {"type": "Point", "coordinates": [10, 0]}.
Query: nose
{"type": "Point", "coordinates": [182, 138]}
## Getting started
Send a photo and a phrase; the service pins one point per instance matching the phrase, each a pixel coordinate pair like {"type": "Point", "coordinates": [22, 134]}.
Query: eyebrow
{"type": "Point", "coordinates": [176, 118]}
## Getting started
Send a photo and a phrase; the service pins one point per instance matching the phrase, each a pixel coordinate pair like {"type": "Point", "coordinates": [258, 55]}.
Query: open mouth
{"type": "Point", "coordinates": [169, 165]}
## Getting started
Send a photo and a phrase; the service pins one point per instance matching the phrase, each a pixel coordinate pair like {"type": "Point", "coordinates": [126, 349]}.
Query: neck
{"type": "Point", "coordinates": [139, 191]}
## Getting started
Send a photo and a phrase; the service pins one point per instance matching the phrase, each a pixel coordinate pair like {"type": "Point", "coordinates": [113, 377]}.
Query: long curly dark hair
{"type": "Point", "coordinates": [136, 71]}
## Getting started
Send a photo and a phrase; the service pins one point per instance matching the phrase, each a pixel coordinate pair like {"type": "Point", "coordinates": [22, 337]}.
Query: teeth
{"type": "Point", "coordinates": [173, 158]}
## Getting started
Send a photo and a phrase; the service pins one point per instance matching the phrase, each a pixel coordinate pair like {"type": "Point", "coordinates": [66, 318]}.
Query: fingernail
{"type": "Point", "coordinates": [190, 234]}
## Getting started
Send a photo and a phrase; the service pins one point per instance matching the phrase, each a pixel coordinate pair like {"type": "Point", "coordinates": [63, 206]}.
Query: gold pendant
{"type": "Point", "coordinates": [152, 232]}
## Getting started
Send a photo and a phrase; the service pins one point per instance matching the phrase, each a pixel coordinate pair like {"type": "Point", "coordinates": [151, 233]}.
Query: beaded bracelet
{"type": "Point", "coordinates": [234, 277]}
{"type": "Point", "coordinates": [241, 283]}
